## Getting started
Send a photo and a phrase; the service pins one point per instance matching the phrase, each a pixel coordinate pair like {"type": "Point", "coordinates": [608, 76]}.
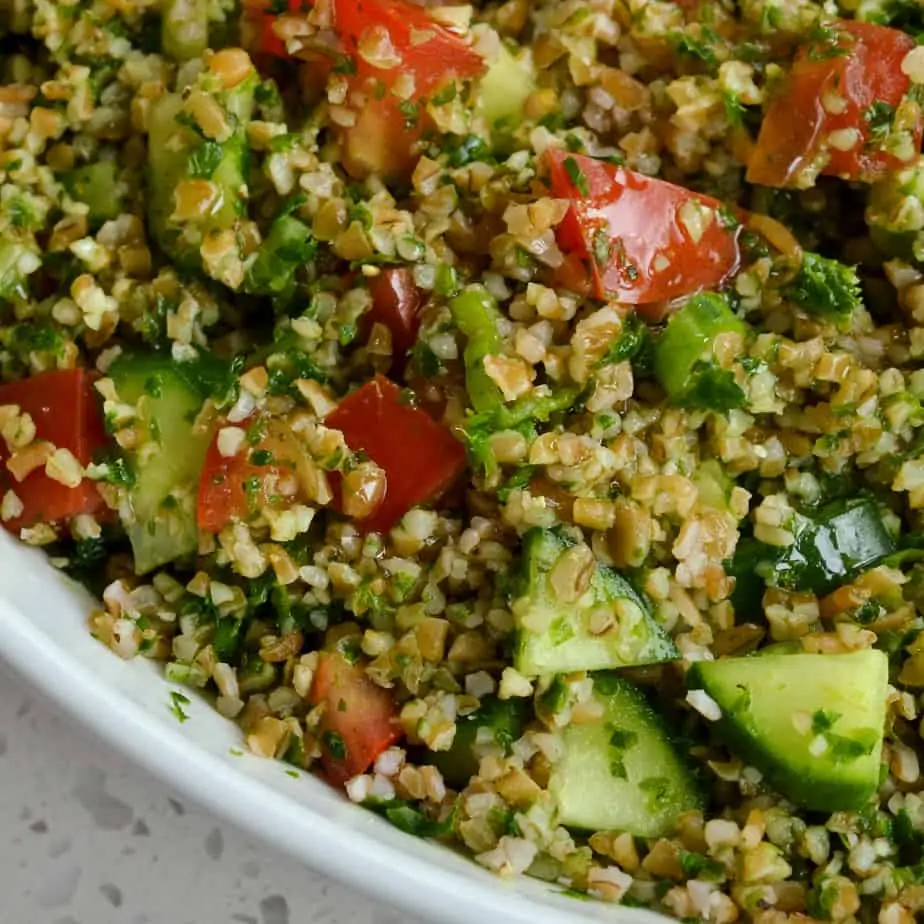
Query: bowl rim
{"type": "Point", "coordinates": [351, 856]}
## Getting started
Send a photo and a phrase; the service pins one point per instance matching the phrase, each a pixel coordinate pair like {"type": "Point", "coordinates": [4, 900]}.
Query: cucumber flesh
{"type": "Point", "coordinates": [176, 153]}
{"type": "Point", "coordinates": [506, 86]}
{"type": "Point", "coordinates": [167, 462]}
{"type": "Point", "coordinates": [494, 726]}
{"type": "Point", "coordinates": [811, 723]}
{"type": "Point", "coordinates": [623, 773]}
{"type": "Point", "coordinates": [560, 636]}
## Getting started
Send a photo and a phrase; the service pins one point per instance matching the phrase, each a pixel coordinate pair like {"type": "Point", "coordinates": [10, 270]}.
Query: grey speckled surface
{"type": "Point", "coordinates": [87, 838]}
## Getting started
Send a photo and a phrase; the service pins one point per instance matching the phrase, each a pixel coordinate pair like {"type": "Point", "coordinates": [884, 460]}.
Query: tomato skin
{"type": "Point", "coordinates": [396, 303]}
{"type": "Point", "coordinates": [388, 126]}
{"type": "Point", "coordinates": [65, 410]}
{"type": "Point", "coordinates": [363, 714]}
{"type": "Point", "coordinates": [223, 496]}
{"type": "Point", "coordinates": [638, 221]}
{"type": "Point", "coordinates": [420, 457]}
{"type": "Point", "coordinates": [863, 67]}
{"type": "Point", "coordinates": [441, 57]}
{"type": "Point", "coordinates": [256, 14]}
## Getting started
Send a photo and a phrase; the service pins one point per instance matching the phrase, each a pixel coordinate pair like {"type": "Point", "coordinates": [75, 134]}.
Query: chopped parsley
{"type": "Point", "coordinates": [577, 176]}
{"type": "Point", "coordinates": [203, 161]}
{"type": "Point", "coordinates": [825, 288]}
{"type": "Point", "coordinates": [177, 701]}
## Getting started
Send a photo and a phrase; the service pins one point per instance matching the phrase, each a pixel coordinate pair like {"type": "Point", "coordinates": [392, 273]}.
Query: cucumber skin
{"type": "Point", "coordinates": [168, 167]}
{"type": "Point", "coordinates": [628, 707]}
{"type": "Point", "coordinates": [792, 782]}
{"type": "Point", "coordinates": [160, 536]}
{"type": "Point", "coordinates": [687, 341]}
{"type": "Point", "coordinates": [541, 549]}
{"type": "Point", "coordinates": [459, 764]}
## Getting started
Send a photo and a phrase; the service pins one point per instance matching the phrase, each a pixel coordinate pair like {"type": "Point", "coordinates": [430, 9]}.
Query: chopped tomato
{"type": "Point", "coordinates": [360, 720]}
{"type": "Point", "coordinates": [265, 472]}
{"type": "Point", "coordinates": [64, 409]}
{"type": "Point", "coordinates": [417, 44]}
{"type": "Point", "coordinates": [396, 303]}
{"type": "Point", "coordinates": [260, 21]}
{"type": "Point", "coordinates": [420, 457]}
{"type": "Point", "coordinates": [834, 112]}
{"type": "Point", "coordinates": [400, 56]}
{"type": "Point", "coordinates": [645, 241]}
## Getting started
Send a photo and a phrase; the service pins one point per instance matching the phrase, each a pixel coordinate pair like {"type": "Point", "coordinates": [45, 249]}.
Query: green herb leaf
{"type": "Point", "coordinates": [203, 161]}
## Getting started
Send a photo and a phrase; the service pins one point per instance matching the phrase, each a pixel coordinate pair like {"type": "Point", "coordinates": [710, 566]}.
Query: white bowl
{"type": "Point", "coordinates": [44, 637]}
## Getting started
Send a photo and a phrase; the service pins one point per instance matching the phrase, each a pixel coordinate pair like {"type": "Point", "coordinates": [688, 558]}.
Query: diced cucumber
{"type": "Point", "coordinates": [684, 362]}
{"type": "Point", "coordinates": [574, 614]}
{"type": "Point", "coordinates": [168, 458]}
{"type": "Point", "coordinates": [842, 540]}
{"type": "Point", "coordinates": [178, 153]}
{"type": "Point", "coordinates": [895, 215]}
{"type": "Point", "coordinates": [96, 185]}
{"type": "Point", "coordinates": [494, 726]}
{"type": "Point", "coordinates": [505, 87]}
{"type": "Point", "coordinates": [184, 28]}
{"type": "Point", "coordinates": [288, 246]}
{"type": "Point", "coordinates": [713, 484]}
{"type": "Point", "coordinates": [623, 772]}
{"type": "Point", "coordinates": [811, 723]}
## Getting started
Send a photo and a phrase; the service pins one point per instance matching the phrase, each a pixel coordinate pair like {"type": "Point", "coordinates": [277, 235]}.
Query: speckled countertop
{"type": "Point", "coordinates": [87, 838]}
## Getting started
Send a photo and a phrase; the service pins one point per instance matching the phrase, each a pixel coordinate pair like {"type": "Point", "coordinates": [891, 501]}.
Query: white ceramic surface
{"type": "Point", "coordinates": [43, 637]}
{"type": "Point", "coordinates": [88, 837]}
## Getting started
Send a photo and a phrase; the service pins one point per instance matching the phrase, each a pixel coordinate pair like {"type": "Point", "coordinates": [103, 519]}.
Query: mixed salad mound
{"type": "Point", "coordinates": [509, 412]}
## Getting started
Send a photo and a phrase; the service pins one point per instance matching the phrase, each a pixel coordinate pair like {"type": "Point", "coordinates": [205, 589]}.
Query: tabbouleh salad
{"type": "Point", "coordinates": [511, 412]}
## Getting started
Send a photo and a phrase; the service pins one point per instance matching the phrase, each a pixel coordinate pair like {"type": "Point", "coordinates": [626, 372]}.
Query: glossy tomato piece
{"type": "Point", "coordinates": [643, 241]}
{"type": "Point", "coordinates": [360, 720]}
{"type": "Point", "coordinates": [389, 124]}
{"type": "Point", "coordinates": [420, 457]}
{"type": "Point", "coordinates": [259, 21]}
{"type": "Point", "coordinates": [263, 473]}
{"type": "Point", "coordinates": [848, 82]}
{"type": "Point", "coordinates": [396, 303]}
{"type": "Point", "coordinates": [65, 410]}
{"type": "Point", "coordinates": [420, 46]}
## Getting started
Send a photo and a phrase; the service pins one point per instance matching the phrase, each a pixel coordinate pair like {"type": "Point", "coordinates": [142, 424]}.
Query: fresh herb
{"type": "Point", "coordinates": [633, 341]}
{"type": "Point", "coordinates": [411, 112]}
{"type": "Point", "coordinates": [411, 820]}
{"type": "Point", "coordinates": [825, 288]}
{"type": "Point", "coordinates": [734, 108]}
{"type": "Point", "coordinates": [697, 47]}
{"type": "Point", "coordinates": [35, 337]}
{"type": "Point", "coordinates": [826, 42]}
{"type": "Point", "coordinates": [878, 116]}
{"type": "Point", "coordinates": [697, 866]}
{"type": "Point", "coordinates": [518, 481]}
{"type": "Point", "coordinates": [523, 414]}
{"type": "Point", "coordinates": [334, 744]}
{"type": "Point", "coordinates": [823, 720]}
{"type": "Point", "coordinates": [577, 176]}
{"type": "Point", "coordinates": [177, 701]}
{"type": "Point", "coordinates": [204, 160]}
{"type": "Point", "coordinates": [465, 149]}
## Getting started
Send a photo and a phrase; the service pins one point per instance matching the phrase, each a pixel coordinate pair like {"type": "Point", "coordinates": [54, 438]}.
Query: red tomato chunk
{"type": "Point", "coordinates": [834, 114]}
{"type": "Point", "coordinates": [396, 303]}
{"type": "Point", "coordinates": [360, 720]}
{"type": "Point", "coordinates": [420, 457]}
{"type": "Point", "coordinates": [645, 240]}
{"type": "Point", "coordinates": [265, 472]}
{"type": "Point", "coordinates": [400, 57]}
{"type": "Point", "coordinates": [65, 411]}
